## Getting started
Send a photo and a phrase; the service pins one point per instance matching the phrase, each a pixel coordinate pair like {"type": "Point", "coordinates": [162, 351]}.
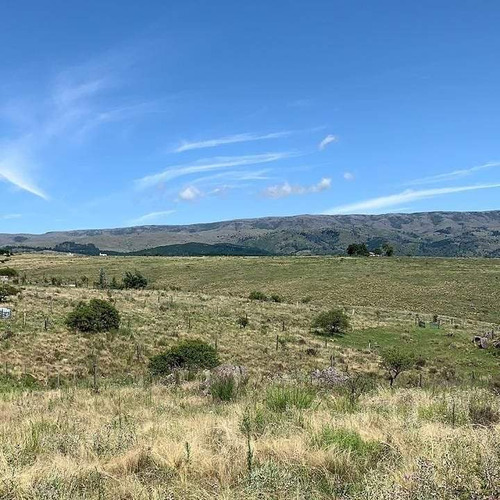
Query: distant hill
{"type": "Point", "coordinates": [431, 234]}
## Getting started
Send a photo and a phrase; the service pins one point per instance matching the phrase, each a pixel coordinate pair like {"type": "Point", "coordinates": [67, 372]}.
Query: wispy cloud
{"type": "Point", "coordinates": [455, 174]}
{"type": "Point", "coordinates": [383, 202]}
{"type": "Point", "coordinates": [284, 190]}
{"type": "Point", "coordinates": [329, 139]}
{"type": "Point", "coordinates": [151, 217]}
{"type": "Point", "coordinates": [208, 165]}
{"type": "Point", "coordinates": [190, 193]}
{"type": "Point", "coordinates": [16, 168]}
{"type": "Point", "coordinates": [348, 176]}
{"type": "Point", "coordinates": [230, 139]}
{"type": "Point", "coordinates": [66, 112]}
{"type": "Point", "coordinates": [10, 216]}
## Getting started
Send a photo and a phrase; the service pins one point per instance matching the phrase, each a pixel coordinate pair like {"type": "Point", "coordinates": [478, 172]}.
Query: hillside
{"type": "Point", "coordinates": [431, 234]}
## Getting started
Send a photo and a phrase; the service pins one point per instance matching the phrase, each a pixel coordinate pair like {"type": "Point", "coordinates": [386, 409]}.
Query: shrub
{"type": "Point", "coordinates": [280, 398]}
{"type": "Point", "coordinates": [134, 280]}
{"type": "Point", "coordinates": [95, 316]}
{"type": "Point", "coordinates": [396, 361]}
{"type": "Point", "coordinates": [275, 298]}
{"type": "Point", "coordinates": [191, 354]}
{"type": "Point", "coordinates": [255, 295]}
{"type": "Point", "coordinates": [8, 271]}
{"type": "Point", "coordinates": [223, 388]}
{"type": "Point", "coordinates": [331, 322]}
{"type": "Point", "coordinates": [358, 249]}
{"type": "Point", "coordinates": [482, 413]}
{"type": "Point", "coordinates": [7, 290]}
{"type": "Point", "coordinates": [242, 321]}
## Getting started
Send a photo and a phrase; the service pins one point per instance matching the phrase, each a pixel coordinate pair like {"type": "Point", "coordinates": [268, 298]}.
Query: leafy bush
{"type": "Point", "coordinates": [134, 280]}
{"type": "Point", "coordinates": [95, 316]}
{"type": "Point", "coordinates": [7, 290]}
{"type": "Point", "coordinates": [280, 398]}
{"type": "Point", "coordinates": [482, 413]}
{"type": "Point", "coordinates": [276, 298]}
{"type": "Point", "coordinates": [333, 322]}
{"type": "Point", "coordinates": [190, 354]}
{"type": "Point", "coordinates": [255, 295]}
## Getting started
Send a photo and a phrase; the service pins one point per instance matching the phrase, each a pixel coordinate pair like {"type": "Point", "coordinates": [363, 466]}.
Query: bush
{"type": "Point", "coordinates": [8, 271]}
{"type": "Point", "coordinates": [7, 290]}
{"type": "Point", "coordinates": [95, 316]}
{"type": "Point", "coordinates": [255, 295]}
{"type": "Point", "coordinates": [190, 354]}
{"type": "Point", "coordinates": [134, 280]}
{"type": "Point", "coordinates": [331, 323]}
{"type": "Point", "coordinates": [242, 321]}
{"type": "Point", "coordinates": [280, 398]}
{"type": "Point", "coordinates": [276, 298]}
{"type": "Point", "coordinates": [224, 388]}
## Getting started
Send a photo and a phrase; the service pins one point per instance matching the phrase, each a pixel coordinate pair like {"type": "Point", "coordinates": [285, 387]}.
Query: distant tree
{"type": "Point", "coordinates": [358, 250]}
{"type": "Point", "coordinates": [388, 249]}
{"type": "Point", "coordinates": [333, 322]}
{"type": "Point", "coordinates": [396, 361]}
{"type": "Point", "coordinates": [5, 251]}
{"type": "Point", "coordinates": [377, 251]}
{"type": "Point", "coordinates": [190, 354]}
{"type": "Point", "coordinates": [134, 280]}
{"type": "Point", "coordinates": [84, 280]}
{"type": "Point", "coordinates": [7, 290]}
{"type": "Point", "coordinates": [94, 316]}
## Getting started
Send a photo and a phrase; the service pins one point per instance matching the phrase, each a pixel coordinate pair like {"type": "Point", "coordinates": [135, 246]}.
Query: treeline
{"type": "Point", "coordinates": [361, 250]}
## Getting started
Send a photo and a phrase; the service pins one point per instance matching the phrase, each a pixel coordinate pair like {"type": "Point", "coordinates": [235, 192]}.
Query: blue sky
{"type": "Point", "coordinates": [127, 113]}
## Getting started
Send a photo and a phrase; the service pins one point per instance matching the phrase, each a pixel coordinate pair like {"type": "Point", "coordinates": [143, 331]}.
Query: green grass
{"type": "Point", "coordinates": [464, 288]}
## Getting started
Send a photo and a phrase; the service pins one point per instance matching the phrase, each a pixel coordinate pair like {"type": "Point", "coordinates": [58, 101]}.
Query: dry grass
{"type": "Point", "coordinates": [159, 442]}
{"type": "Point", "coordinates": [280, 438]}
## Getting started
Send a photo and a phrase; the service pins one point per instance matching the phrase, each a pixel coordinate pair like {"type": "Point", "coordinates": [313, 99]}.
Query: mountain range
{"type": "Point", "coordinates": [446, 234]}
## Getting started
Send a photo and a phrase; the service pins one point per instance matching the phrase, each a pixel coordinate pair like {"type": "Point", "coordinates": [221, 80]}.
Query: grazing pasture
{"type": "Point", "coordinates": [83, 418]}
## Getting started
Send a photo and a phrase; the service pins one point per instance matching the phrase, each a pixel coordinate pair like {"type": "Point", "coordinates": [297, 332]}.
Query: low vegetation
{"type": "Point", "coordinates": [199, 392]}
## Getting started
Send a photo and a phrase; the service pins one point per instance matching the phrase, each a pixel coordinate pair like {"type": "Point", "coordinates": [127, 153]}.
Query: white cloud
{"type": "Point", "coordinates": [394, 200]}
{"type": "Point", "coordinates": [455, 174]}
{"type": "Point", "coordinates": [15, 168]}
{"type": "Point", "coordinates": [151, 217]}
{"type": "Point", "coordinates": [190, 193]}
{"type": "Point", "coordinates": [348, 176]}
{"type": "Point", "coordinates": [10, 216]}
{"type": "Point", "coordinates": [286, 189]}
{"type": "Point", "coordinates": [230, 139]}
{"type": "Point", "coordinates": [208, 165]}
{"type": "Point", "coordinates": [327, 140]}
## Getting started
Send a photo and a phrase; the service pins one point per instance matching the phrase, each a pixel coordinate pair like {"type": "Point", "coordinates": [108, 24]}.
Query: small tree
{"type": "Point", "coordinates": [134, 280]}
{"type": "Point", "coordinates": [396, 361]}
{"type": "Point", "coordinates": [94, 316]}
{"type": "Point", "coordinates": [333, 322]}
{"type": "Point", "coordinates": [190, 354]}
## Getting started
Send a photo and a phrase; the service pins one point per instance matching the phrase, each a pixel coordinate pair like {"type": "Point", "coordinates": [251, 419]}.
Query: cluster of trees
{"type": "Point", "coordinates": [132, 280]}
{"type": "Point", "coordinates": [361, 250]}
{"type": "Point", "coordinates": [5, 251]}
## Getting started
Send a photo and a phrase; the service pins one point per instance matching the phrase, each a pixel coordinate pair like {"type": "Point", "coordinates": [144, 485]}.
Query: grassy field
{"type": "Point", "coordinates": [435, 435]}
{"type": "Point", "coordinates": [464, 288]}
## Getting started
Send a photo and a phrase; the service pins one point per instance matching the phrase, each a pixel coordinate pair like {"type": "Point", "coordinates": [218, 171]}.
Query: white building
{"type": "Point", "coordinates": [5, 313]}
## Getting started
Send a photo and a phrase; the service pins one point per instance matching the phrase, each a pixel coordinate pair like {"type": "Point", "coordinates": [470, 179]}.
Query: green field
{"type": "Point", "coordinates": [463, 288]}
